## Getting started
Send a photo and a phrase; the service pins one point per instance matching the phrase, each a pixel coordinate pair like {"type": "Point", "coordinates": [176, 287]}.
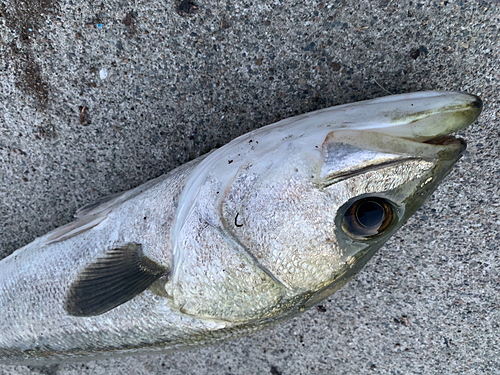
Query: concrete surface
{"type": "Point", "coordinates": [101, 96]}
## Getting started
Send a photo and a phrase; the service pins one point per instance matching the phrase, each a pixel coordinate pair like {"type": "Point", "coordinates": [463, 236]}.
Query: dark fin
{"type": "Point", "coordinates": [112, 280]}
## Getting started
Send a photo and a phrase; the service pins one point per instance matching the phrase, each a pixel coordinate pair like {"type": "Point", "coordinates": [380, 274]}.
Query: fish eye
{"type": "Point", "coordinates": [368, 217]}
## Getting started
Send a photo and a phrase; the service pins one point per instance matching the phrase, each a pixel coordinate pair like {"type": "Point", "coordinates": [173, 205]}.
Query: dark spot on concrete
{"type": "Point", "coordinates": [423, 50]}
{"type": "Point", "coordinates": [46, 131]}
{"type": "Point", "coordinates": [414, 53]}
{"type": "Point", "coordinates": [26, 15]}
{"type": "Point", "coordinates": [321, 308]}
{"type": "Point", "coordinates": [25, 18]}
{"type": "Point", "coordinates": [129, 21]}
{"type": "Point", "coordinates": [14, 150]}
{"type": "Point", "coordinates": [30, 79]}
{"type": "Point", "coordinates": [335, 66]}
{"type": "Point", "coordinates": [229, 161]}
{"type": "Point", "coordinates": [447, 341]}
{"type": "Point", "coordinates": [258, 61]}
{"type": "Point", "coordinates": [310, 46]}
{"type": "Point", "coordinates": [403, 320]}
{"type": "Point", "coordinates": [224, 24]}
{"type": "Point", "coordinates": [84, 116]}
{"type": "Point", "coordinates": [274, 371]}
{"type": "Point", "coordinates": [186, 8]}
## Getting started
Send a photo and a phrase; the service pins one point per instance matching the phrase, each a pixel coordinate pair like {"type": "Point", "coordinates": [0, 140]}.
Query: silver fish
{"type": "Point", "coordinates": [247, 236]}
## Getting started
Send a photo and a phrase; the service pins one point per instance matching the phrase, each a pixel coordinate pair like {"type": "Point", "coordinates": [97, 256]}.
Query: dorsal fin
{"type": "Point", "coordinates": [123, 273]}
{"type": "Point", "coordinates": [94, 213]}
{"type": "Point", "coordinates": [105, 203]}
{"type": "Point", "coordinates": [74, 228]}
{"type": "Point", "coordinates": [99, 205]}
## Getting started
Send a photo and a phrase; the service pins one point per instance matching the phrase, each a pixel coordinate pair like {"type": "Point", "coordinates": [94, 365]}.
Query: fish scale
{"type": "Point", "coordinates": [242, 238]}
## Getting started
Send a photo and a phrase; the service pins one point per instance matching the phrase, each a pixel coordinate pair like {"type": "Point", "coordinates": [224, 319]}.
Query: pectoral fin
{"type": "Point", "coordinates": [112, 280]}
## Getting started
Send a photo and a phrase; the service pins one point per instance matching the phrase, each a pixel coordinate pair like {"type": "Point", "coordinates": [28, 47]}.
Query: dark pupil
{"type": "Point", "coordinates": [370, 214]}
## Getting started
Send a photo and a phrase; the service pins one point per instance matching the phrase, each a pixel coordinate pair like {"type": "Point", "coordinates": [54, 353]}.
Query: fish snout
{"type": "Point", "coordinates": [428, 115]}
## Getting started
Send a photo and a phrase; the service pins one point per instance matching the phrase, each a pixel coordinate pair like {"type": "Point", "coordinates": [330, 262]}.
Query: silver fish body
{"type": "Point", "coordinates": [249, 235]}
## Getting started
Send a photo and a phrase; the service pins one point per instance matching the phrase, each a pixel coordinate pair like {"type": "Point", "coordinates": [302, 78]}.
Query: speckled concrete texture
{"type": "Point", "coordinates": [100, 96]}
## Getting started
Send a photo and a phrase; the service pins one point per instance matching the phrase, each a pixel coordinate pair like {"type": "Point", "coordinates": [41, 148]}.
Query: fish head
{"type": "Point", "coordinates": [314, 209]}
{"type": "Point", "coordinates": [283, 216]}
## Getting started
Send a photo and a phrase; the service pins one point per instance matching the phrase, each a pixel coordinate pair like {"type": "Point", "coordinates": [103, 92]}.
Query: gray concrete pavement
{"type": "Point", "coordinates": [97, 97]}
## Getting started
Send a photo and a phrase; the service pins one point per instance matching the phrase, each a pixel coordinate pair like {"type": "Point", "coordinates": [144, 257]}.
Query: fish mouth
{"type": "Point", "coordinates": [397, 129]}
{"type": "Point", "coordinates": [427, 117]}
{"type": "Point", "coordinates": [443, 140]}
{"type": "Point", "coordinates": [454, 145]}
{"type": "Point", "coordinates": [429, 137]}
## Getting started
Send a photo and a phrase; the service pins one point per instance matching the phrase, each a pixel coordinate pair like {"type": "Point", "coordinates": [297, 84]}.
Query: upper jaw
{"type": "Point", "coordinates": [415, 124]}
{"type": "Point", "coordinates": [418, 116]}
{"type": "Point", "coordinates": [423, 116]}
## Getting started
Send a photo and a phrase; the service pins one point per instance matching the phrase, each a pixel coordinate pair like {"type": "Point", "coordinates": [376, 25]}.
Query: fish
{"type": "Point", "coordinates": [242, 238]}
